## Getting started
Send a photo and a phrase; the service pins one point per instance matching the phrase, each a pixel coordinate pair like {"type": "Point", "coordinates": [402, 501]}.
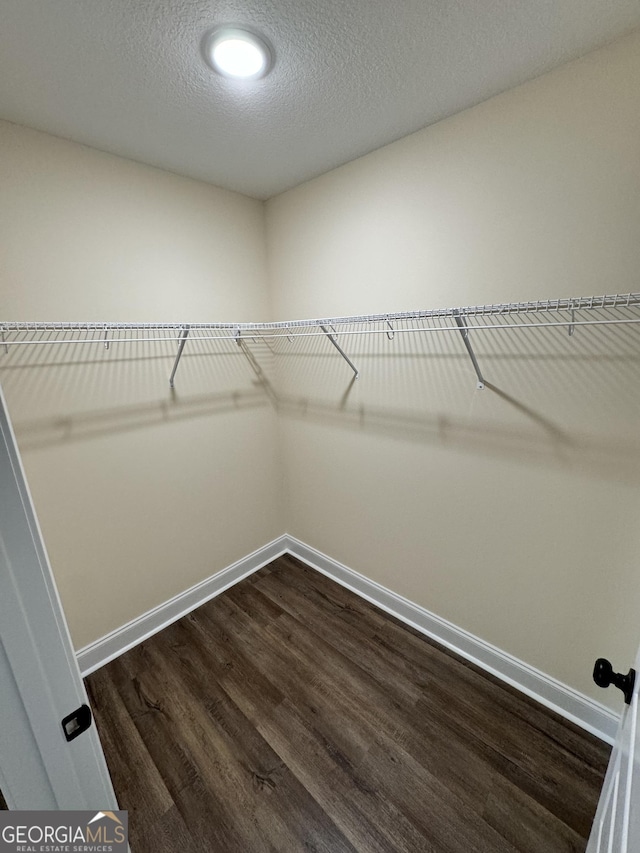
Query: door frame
{"type": "Point", "coordinates": [39, 674]}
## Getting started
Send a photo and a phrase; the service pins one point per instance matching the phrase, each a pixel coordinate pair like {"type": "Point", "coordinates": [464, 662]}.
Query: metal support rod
{"type": "Point", "coordinates": [464, 331]}
{"type": "Point", "coordinates": [106, 337]}
{"type": "Point", "coordinates": [572, 327]}
{"type": "Point", "coordinates": [183, 340]}
{"type": "Point", "coordinates": [6, 348]}
{"type": "Point", "coordinates": [341, 351]}
{"type": "Point", "coordinates": [255, 366]}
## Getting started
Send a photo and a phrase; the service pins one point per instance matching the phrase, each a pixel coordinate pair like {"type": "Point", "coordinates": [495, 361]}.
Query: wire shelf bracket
{"type": "Point", "coordinates": [464, 331]}
{"type": "Point", "coordinates": [183, 340]}
{"type": "Point", "coordinates": [340, 350]}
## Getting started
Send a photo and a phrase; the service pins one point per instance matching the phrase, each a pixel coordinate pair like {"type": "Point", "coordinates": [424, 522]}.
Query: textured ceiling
{"type": "Point", "coordinates": [126, 76]}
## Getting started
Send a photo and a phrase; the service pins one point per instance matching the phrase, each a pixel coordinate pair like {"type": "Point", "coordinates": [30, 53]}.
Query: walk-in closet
{"type": "Point", "coordinates": [320, 394]}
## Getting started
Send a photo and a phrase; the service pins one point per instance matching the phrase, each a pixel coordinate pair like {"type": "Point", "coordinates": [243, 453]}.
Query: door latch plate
{"type": "Point", "coordinates": [76, 723]}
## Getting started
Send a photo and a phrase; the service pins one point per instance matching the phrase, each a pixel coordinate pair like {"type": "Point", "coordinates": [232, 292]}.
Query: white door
{"type": "Point", "coordinates": [616, 828]}
{"type": "Point", "coordinates": [40, 683]}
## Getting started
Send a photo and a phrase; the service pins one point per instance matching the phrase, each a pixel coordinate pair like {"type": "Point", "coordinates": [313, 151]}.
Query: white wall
{"type": "Point", "coordinates": [140, 492]}
{"type": "Point", "coordinates": [531, 194]}
{"type": "Point", "coordinates": [512, 511]}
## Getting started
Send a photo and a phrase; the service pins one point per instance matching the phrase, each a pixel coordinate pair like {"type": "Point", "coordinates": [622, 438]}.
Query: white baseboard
{"type": "Point", "coordinates": [569, 703]}
{"type": "Point", "coordinates": [564, 700]}
{"type": "Point", "coordinates": [116, 643]}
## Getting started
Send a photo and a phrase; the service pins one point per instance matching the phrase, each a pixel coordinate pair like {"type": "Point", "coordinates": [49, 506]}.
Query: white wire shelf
{"type": "Point", "coordinates": [607, 310]}
{"type": "Point", "coordinates": [582, 303]}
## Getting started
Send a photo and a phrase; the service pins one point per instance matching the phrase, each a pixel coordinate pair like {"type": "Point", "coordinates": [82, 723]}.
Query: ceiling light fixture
{"type": "Point", "coordinates": [237, 53]}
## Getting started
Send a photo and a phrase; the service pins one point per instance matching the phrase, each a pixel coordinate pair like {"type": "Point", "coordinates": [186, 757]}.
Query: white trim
{"type": "Point", "coordinates": [118, 642]}
{"type": "Point", "coordinates": [39, 674]}
{"type": "Point", "coordinates": [564, 700]}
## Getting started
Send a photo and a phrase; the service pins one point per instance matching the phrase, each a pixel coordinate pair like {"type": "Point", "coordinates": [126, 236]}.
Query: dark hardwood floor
{"type": "Point", "coordinates": [290, 715]}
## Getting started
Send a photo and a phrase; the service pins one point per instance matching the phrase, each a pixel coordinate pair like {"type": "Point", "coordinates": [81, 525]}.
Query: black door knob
{"type": "Point", "coordinates": [603, 675]}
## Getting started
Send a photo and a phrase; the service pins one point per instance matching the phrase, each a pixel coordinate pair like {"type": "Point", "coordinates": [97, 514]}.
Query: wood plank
{"type": "Point", "coordinates": [463, 678]}
{"type": "Point", "coordinates": [140, 786]}
{"type": "Point", "coordinates": [288, 714]}
{"type": "Point", "coordinates": [526, 823]}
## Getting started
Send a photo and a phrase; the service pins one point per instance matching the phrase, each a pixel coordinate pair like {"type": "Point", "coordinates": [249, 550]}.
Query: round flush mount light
{"type": "Point", "coordinates": [237, 53]}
